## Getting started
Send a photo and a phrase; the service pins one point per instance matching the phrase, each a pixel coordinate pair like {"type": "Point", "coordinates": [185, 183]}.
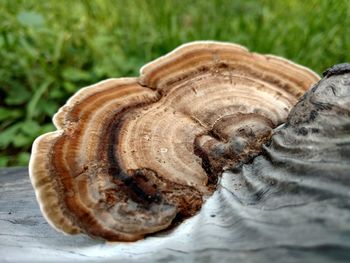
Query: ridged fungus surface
{"type": "Point", "coordinates": [130, 155]}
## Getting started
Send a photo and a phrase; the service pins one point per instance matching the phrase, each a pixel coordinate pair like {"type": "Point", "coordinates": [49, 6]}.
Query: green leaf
{"type": "Point", "coordinates": [21, 140]}
{"type": "Point", "coordinates": [30, 128]}
{"type": "Point", "coordinates": [47, 128]}
{"type": "Point", "coordinates": [23, 158]}
{"type": "Point", "coordinates": [30, 18]}
{"type": "Point", "coordinates": [69, 87]}
{"type": "Point", "coordinates": [9, 113]}
{"type": "Point", "coordinates": [74, 74]}
{"type": "Point", "coordinates": [24, 136]}
{"type": "Point", "coordinates": [57, 93]}
{"type": "Point", "coordinates": [7, 136]}
{"type": "Point", "coordinates": [3, 161]}
{"type": "Point", "coordinates": [49, 107]}
{"type": "Point", "coordinates": [32, 105]}
{"type": "Point", "coordinates": [58, 47]}
{"type": "Point", "coordinates": [17, 96]}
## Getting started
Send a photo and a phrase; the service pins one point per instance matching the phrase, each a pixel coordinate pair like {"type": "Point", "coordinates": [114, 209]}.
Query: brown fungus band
{"type": "Point", "coordinates": [132, 154]}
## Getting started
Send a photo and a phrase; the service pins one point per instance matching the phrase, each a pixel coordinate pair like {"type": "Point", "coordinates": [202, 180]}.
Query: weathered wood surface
{"type": "Point", "coordinates": [226, 230]}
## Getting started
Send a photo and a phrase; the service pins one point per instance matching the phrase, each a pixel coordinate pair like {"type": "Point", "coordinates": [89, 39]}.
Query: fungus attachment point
{"type": "Point", "coordinates": [234, 139]}
{"type": "Point", "coordinates": [131, 154]}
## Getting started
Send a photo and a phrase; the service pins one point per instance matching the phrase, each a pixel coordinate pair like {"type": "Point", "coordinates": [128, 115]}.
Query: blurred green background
{"type": "Point", "coordinates": [50, 49]}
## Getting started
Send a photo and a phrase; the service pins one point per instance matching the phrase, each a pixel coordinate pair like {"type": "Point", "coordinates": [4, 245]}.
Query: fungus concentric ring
{"type": "Point", "coordinates": [131, 154]}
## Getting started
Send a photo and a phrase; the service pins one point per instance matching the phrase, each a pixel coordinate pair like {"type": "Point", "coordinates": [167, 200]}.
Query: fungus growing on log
{"type": "Point", "coordinates": [307, 158]}
{"type": "Point", "coordinates": [132, 154]}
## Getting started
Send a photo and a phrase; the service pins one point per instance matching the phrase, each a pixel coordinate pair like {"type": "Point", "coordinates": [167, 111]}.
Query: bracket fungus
{"type": "Point", "coordinates": [132, 155]}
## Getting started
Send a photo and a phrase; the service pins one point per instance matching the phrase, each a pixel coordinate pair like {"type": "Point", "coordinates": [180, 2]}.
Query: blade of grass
{"type": "Point", "coordinates": [32, 104]}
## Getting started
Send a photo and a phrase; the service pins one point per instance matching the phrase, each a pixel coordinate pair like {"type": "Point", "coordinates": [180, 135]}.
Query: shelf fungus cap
{"type": "Point", "coordinates": [132, 154]}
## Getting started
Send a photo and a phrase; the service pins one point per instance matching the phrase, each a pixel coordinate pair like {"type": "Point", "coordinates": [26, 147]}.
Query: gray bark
{"type": "Point", "coordinates": [226, 230]}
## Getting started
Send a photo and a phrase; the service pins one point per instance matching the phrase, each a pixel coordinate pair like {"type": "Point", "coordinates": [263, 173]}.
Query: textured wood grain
{"type": "Point", "coordinates": [226, 230]}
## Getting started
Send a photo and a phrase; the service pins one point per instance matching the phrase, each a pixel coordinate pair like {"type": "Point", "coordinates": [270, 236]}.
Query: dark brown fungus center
{"type": "Point", "coordinates": [234, 140]}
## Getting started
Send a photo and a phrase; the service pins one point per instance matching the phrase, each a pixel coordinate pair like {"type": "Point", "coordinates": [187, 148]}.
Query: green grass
{"type": "Point", "coordinates": [50, 49]}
